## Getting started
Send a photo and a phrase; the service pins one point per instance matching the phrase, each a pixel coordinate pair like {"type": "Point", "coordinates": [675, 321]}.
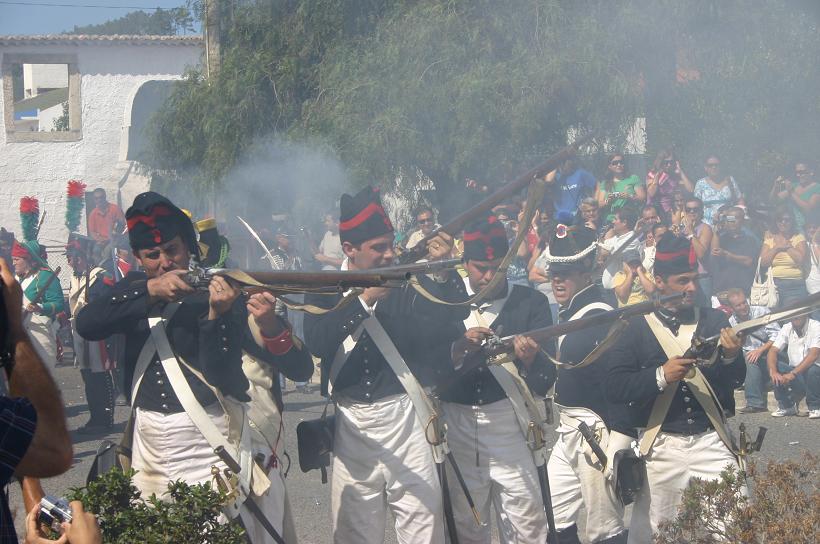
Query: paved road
{"type": "Point", "coordinates": [310, 499]}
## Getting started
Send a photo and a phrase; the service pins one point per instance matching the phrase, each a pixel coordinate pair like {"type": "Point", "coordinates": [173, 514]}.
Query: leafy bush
{"type": "Point", "coordinates": [782, 507]}
{"type": "Point", "coordinates": [190, 515]}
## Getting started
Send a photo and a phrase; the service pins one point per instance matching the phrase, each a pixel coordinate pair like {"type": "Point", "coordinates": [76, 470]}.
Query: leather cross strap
{"type": "Point", "coordinates": [426, 412]}
{"type": "Point", "coordinates": [675, 346]}
{"type": "Point", "coordinates": [252, 477]}
{"type": "Point", "coordinates": [526, 412]}
{"type": "Point", "coordinates": [612, 336]}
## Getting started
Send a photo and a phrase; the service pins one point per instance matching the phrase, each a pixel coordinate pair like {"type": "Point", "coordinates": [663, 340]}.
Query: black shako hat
{"type": "Point", "coordinates": [153, 220]}
{"type": "Point", "coordinates": [674, 255]}
{"type": "Point", "coordinates": [362, 217]}
{"type": "Point", "coordinates": [571, 248]}
{"type": "Point", "coordinates": [485, 240]}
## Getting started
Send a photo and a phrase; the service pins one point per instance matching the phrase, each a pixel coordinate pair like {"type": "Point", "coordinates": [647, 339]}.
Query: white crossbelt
{"type": "Point", "coordinates": [676, 346]}
{"type": "Point", "coordinates": [251, 477]}
{"type": "Point", "coordinates": [426, 412]}
{"type": "Point", "coordinates": [524, 406]}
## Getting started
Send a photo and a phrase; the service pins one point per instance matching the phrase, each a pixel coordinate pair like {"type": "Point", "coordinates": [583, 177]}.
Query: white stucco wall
{"type": "Point", "coordinates": [111, 72]}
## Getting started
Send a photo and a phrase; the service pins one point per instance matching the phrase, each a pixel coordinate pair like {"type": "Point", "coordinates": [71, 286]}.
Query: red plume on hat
{"type": "Point", "coordinates": [29, 217]}
{"type": "Point", "coordinates": [75, 198]}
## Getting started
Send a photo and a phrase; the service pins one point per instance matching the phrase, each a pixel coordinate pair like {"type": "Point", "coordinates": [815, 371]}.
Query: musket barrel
{"type": "Point", "coordinates": [505, 345]}
{"type": "Point", "coordinates": [457, 224]}
{"type": "Point", "coordinates": [560, 329]}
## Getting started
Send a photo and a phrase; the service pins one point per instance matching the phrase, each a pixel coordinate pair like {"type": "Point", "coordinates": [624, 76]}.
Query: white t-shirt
{"type": "Point", "coordinates": [616, 264]}
{"type": "Point", "coordinates": [331, 246]}
{"type": "Point", "coordinates": [799, 346]}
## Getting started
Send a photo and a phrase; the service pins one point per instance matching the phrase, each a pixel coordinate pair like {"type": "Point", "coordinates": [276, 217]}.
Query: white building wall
{"type": "Point", "coordinates": [110, 74]}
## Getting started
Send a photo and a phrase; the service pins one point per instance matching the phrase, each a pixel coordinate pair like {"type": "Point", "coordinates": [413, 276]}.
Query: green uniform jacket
{"type": "Point", "coordinates": [52, 302]}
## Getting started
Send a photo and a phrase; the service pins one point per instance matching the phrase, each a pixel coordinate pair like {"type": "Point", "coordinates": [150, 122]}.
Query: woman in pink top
{"type": "Point", "coordinates": [665, 177]}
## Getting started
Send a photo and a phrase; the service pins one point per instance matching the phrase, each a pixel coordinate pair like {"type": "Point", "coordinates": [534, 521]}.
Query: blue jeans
{"type": "Point", "coordinates": [806, 384]}
{"type": "Point", "coordinates": [788, 290]}
{"type": "Point", "coordinates": [754, 387]}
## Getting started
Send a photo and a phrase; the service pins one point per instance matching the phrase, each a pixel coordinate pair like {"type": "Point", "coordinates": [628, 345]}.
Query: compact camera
{"type": "Point", "coordinates": [54, 512]}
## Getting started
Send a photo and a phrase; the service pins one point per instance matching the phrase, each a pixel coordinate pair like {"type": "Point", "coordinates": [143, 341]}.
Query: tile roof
{"type": "Point", "coordinates": [113, 39]}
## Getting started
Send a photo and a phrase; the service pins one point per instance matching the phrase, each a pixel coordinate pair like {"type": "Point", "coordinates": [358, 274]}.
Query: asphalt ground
{"type": "Point", "coordinates": [310, 499]}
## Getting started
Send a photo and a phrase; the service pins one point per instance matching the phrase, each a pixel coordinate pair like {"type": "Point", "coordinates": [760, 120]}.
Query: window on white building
{"type": "Point", "coordinates": [41, 95]}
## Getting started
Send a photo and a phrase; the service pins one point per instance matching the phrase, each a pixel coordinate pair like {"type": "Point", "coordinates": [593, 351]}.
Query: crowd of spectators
{"type": "Point", "coordinates": [735, 245]}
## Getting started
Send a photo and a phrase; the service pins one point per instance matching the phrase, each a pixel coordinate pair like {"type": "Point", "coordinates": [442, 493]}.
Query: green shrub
{"type": "Point", "coordinates": [782, 507]}
{"type": "Point", "coordinates": [189, 514]}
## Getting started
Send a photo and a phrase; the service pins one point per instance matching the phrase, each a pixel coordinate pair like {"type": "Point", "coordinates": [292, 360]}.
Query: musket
{"type": "Point", "coordinates": [702, 349]}
{"type": "Point", "coordinates": [41, 292]}
{"type": "Point", "coordinates": [427, 267]}
{"type": "Point", "coordinates": [286, 281]}
{"type": "Point", "coordinates": [497, 346]}
{"type": "Point", "coordinates": [457, 224]}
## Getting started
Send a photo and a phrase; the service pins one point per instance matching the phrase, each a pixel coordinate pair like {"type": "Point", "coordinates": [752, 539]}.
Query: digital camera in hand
{"type": "Point", "coordinates": [53, 512]}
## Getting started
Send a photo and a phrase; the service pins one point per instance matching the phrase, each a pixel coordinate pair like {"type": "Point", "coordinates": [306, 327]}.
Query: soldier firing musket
{"type": "Point", "coordinates": [184, 360]}
{"type": "Point", "coordinates": [375, 352]}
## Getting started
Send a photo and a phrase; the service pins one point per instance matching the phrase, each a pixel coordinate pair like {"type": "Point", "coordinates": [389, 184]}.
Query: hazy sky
{"type": "Point", "coordinates": [33, 19]}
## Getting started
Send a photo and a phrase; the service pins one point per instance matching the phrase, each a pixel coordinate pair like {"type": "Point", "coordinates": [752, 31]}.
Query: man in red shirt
{"type": "Point", "coordinates": [103, 217]}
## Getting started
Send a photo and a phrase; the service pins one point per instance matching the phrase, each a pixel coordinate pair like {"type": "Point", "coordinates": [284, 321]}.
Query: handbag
{"type": "Point", "coordinates": [314, 439]}
{"type": "Point", "coordinates": [763, 293]}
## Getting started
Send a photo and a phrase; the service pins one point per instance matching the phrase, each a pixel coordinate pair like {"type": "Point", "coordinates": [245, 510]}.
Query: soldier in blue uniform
{"type": "Point", "coordinates": [648, 373]}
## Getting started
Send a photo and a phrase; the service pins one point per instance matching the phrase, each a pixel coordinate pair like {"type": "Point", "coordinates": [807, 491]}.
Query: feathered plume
{"type": "Point", "coordinates": [29, 217]}
{"type": "Point", "coordinates": [74, 204]}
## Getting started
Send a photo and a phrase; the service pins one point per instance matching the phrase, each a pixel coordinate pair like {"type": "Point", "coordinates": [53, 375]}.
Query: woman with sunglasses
{"type": "Point", "coordinates": [617, 189]}
{"type": "Point", "coordinates": [666, 177]}
{"type": "Point", "coordinates": [785, 252]}
{"type": "Point", "coordinates": [716, 190]}
{"type": "Point", "coordinates": [701, 235]}
{"type": "Point", "coordinates": [803, 198]}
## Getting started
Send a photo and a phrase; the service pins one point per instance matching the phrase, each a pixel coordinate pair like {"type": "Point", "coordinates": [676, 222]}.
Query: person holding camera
{"type": "Point", "coordinates": [82, 529]}
{"type": "Point", "coordinates": [734, 253]}
{"type": "Point", "coordinates": [802, 198]}
{"type": "Point", "coordinates": [34, 440]}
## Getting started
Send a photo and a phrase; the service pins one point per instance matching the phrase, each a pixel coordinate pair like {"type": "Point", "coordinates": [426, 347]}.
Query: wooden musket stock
{"type": "Point", "coordinates": [325, 281]}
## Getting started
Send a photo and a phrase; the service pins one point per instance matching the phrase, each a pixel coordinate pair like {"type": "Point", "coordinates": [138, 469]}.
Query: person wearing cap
{"type": "Point", "coordinates": [579, 479]}
{"type": "Point", "coordinates": [647, 364]}
{"type": "Point", "coordinates": [93, 358]}
{"type": "Point", "coordinates": [382, 460]}
{"type": "Point", "coordinates": [213, 247]}
{"type": "Point", "coordinates": [491, 402]}
{"type": "Point", "coordinates": [188, 401]}
{"type": "Point", "coordinates": [35, 277]}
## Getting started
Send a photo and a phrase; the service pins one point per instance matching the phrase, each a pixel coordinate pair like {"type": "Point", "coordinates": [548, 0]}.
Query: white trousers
{"type": "Point", "coordinates": [382, 460]}
{"type": "Point", "coordinates": [575, 482]}
{"type": "Point", "coordinates": [41, 332]}
{"type": "Point", "coordinates": [169, 447]}
{"type": "Point", "coordinates": [499, 470]}
{"type": "Point", "coordinates": [672, 462]}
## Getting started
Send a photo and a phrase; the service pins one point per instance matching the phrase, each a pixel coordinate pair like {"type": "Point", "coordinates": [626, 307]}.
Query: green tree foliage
{"type": "Point", "coordinates": [160, 22]}
{"type": "Point", "coordinates": [189, 514]}
{"type": "Point", "coordinates": [480, 88]}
